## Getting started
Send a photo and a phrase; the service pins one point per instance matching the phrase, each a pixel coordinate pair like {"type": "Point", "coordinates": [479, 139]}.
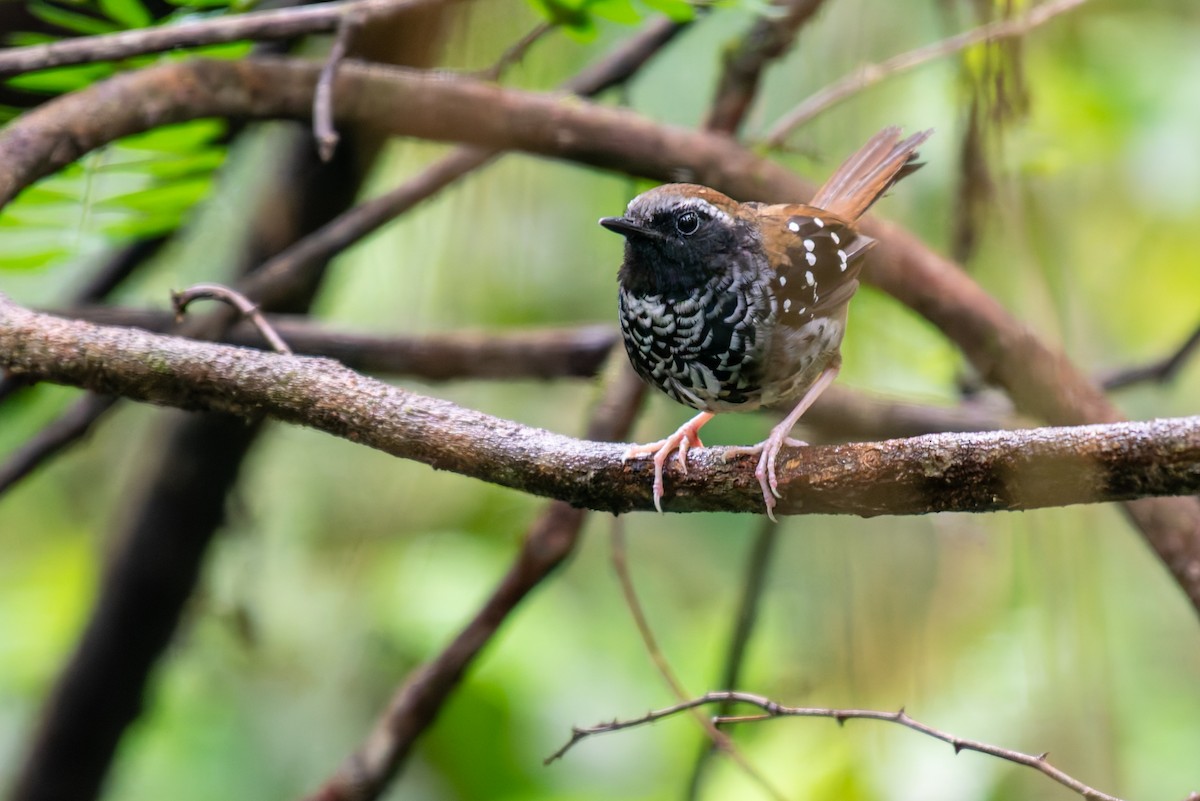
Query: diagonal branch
{"type": "Point", "coordinates": [948, 472]}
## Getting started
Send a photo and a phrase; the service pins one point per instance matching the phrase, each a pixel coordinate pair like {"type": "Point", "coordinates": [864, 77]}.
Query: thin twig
{"type": "Point", "coordinates": [718, 738]}
{"type": "Point", "coordinates": [69, 427]}
{"type": "Point", "coordinates": [516, 52]}
{"type": "Point", "coordinates": [258, 25]}
{"type": "Point", "coordinates": [323, 131]}
{"type": "Point", "coordinates": [180, 300]}
{"type": "Point", "coordinates": [1160, 371]}
{"type": "Point", "coordinates": [870, 74]}
{"type": "Point", "coordinates": [771, 709]}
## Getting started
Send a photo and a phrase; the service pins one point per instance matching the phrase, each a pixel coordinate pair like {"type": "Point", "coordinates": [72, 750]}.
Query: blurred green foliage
{"type": "Point", "coordinates": [342, 569]}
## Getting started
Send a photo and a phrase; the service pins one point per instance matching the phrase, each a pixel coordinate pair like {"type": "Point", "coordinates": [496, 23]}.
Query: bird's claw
{"type": "Point", "coordinates": [679, 443]}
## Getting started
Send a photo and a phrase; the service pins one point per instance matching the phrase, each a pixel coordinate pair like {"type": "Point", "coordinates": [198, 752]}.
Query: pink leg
{"type": "Point", "coordinates": [770, 447]}
{"type": "Point", "coordinates": [680, 442]}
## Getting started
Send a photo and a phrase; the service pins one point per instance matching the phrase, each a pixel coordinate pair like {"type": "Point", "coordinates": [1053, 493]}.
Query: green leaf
{"type": "Point", "coordinates": [32, 260]}
{"type": "Point", "coordinates": [201, 3]}
{"type": "Point", "coordinates": [622, 12]}
{"type": "Point", "coordinates": [175, 195]}
{"type": "Point", "coordinates": [129, 13]}
{"type": "Point", "coordinates": [61, 80]}
{"type": "Point", "coordinates": [676, 10]}
{"type": "Point", "coordinates": [71, 20]}
{"type": "Point", "coordinates": [181, 138]}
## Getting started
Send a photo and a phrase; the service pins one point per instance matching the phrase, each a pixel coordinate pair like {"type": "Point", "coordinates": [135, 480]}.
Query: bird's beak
{"type": "Point", "coordinates": [627, 227]}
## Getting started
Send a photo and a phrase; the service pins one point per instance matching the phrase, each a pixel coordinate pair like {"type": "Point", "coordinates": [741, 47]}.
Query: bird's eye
{"type": "Point", "coordinates": [687, 223]}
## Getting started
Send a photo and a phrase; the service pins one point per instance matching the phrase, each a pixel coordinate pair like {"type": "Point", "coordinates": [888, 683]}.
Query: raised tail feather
{"type": "Point", "coordinates": [870, 172]}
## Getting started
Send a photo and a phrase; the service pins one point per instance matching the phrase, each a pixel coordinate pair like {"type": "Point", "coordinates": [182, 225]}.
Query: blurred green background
{"type": "Point", "coordinates": [342, 569]}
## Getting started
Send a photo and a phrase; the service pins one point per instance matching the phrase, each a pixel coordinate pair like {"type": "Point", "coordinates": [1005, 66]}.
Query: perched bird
{"type": "Point", "coordinates": [729, 306]}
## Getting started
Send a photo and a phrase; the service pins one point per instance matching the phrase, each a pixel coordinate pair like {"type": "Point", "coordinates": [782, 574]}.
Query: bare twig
{"type": "Point", "coordinates": [1161, 371]}
{"type": "Point", "coordinates": [259, 25]}
{"type": "Point", "coordinates": [771, 709]}
{"type": "Point", "coordinates": [870, 74]}
{"type": "Point", "coordinates": [71, 426]}
{"type": "Point", "coordinates": [962, 472]}
{"type": "Point", "coordinates": [515, 53]}
{"type": "Point", "coordinates": [627, 58]}
{"type": "Point", "coordinates": [324, 133]}
{"type": "Point", "coordinates": [180, 300]}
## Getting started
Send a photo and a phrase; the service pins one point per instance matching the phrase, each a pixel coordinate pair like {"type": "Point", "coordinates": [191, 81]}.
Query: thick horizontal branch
{"type": "Point", "coordinates": [947, 472]}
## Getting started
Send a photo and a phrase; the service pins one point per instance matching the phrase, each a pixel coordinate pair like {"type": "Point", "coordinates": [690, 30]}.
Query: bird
{"type": "Point", "coordinates": [731, 306]}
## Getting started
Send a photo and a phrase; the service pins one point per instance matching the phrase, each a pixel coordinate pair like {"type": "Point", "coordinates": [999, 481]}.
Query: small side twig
{"type": "Point", "coordinates": [68, 428]}
{"type": "Point", "coordinates": [516, 52]}
{"type": "Point", "coordinates": [771, 709]}
{"type": "Point", "coordinates": [180, 301]}
{"type": "Point", "coordinates": [323, 131]}
{"type": "Point", "coordinates": [1160, 371]}
{"type": "Point", "coordinates": [870, 74]}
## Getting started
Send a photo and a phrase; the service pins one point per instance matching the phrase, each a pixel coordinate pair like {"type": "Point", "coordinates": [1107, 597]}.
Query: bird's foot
{"type": "Point", "coordinates": [768, 452]}
{"type": "Point", "coordinates": [679, 443]}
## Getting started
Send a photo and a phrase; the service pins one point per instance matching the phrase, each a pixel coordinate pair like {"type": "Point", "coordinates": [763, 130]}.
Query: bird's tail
{"type": "Point", "coordinates": [870, 172]}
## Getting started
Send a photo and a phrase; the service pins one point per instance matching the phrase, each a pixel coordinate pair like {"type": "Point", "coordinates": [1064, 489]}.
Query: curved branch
{"type": "Point", "coordinates": [949, 472]}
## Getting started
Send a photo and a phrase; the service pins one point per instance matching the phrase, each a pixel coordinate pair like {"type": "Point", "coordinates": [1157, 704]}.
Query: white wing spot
{"type": "Point", "coordinates": [837, 240]}
{"type": "Point", "coordinates": [787, 304]}
{"type": "Point", "coordinates": [793, 226]}
{"type": "Point", "coordinates": [809, 245]}
{"type": "Point", "coordinates": [802, 310]}
{"type": "Point", "coordinates": [842, 256]}
{"type": "Point", "coordinates": [820, 223]}
{"type": "Point", "coordinates": [811, 258]}
{"type": "Point", "coordinates": [808, 278]}
{"type": "Point", "coordinates": [783, 280]}
{"type": "Point", "coordinates": [842, 267]}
